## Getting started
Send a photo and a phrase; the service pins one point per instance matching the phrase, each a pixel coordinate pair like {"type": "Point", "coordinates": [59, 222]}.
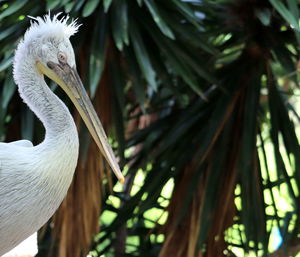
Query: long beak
{"type": "Point", "coordinates": [68, 79]}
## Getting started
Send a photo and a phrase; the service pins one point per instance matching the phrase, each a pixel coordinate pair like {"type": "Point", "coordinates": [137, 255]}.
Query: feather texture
{"type": "Point", "coordinates": [35, 179]}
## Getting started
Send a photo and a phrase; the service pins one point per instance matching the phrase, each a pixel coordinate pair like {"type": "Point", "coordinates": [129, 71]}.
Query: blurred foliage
{"type": "Point", "coordinates": [201, 95]}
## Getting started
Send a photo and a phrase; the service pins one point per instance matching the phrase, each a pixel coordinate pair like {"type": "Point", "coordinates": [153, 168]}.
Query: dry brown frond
{"type": "Point", "coordinates": [182, 237]}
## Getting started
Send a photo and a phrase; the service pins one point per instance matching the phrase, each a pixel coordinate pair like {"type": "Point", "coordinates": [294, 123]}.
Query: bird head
{"type": "Point", "coordinates": [47, 40]}
{"type": "Point", "coordinates": [51, 54]}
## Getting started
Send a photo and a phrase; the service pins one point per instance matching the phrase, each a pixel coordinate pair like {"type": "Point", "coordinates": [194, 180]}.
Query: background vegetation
{"type": "Point", "coordinates": [200, 100]}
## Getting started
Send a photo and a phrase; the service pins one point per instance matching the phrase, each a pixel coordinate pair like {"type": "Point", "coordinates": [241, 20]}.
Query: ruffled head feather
{"type": "Point", "coordinates": [51, 27]}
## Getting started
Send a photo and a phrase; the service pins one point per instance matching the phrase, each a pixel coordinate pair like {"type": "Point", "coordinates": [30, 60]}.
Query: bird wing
{"type": "Point", "coordinates": [15, 164]}
{"type": "Point", "coordinates": [25, 143]}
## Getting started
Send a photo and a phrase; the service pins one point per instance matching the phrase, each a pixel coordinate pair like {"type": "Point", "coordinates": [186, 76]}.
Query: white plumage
{"type": "Point", "coordinates": [35, 179]}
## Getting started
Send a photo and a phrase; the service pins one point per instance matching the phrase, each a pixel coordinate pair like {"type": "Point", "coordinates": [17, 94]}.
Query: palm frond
{"type": "Point", "coordinates": [196, 96]}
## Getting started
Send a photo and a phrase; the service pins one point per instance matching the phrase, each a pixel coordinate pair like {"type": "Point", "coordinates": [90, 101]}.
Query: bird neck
{"type": "Point", "coordinates": [53, 113]}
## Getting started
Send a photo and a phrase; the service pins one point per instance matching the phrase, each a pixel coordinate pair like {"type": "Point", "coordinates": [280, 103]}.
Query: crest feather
{"type": "Point", "coordinates": [55, 27]}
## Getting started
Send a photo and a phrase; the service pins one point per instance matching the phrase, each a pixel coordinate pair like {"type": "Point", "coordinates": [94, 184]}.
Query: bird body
{"type": "Point", "coordinates": [34, 179]}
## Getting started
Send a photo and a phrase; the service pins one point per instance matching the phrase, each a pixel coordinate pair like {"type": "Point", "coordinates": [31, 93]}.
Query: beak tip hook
{"type": "Point", "coordinates": [122, 180]}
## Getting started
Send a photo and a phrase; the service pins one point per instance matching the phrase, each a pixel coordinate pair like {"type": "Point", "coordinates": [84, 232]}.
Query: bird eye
{"type": "Point", "coordinates": [62, 57]}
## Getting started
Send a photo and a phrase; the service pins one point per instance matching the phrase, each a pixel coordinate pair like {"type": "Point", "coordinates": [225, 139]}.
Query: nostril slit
{"type": "Point", "coordinates": [50, 65]}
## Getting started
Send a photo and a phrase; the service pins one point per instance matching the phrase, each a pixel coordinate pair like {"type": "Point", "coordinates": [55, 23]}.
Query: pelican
{"type": "Point", "coordinates": [34, 179]}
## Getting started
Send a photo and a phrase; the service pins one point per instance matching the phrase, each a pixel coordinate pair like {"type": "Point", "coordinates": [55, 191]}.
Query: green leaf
{"type": "Point", "coordinates": [4, 64]}
{"type": "Point", "coordinates": [181, 69]}
{"type": "Point", "coordinates": [277, 111]}
{"type": "Point", "coordinates": [268, 172]}
{"type": "Point", "coordinates": [118, 81]}
{"type": "Point", "coordinates": [282, 123]}
{"type": "Point", "coordinates": [52, 4]}
{"type": "Point", "coordinates": [8, 31]}
{"type": "Point", "coordinates": [106, 4]}
{"type": "Point", "coordinates": [285, 58]}
{"type": "Point", "coordinates": [285, 13]}
{"type": "Point", "coordinates": [124, 21]}
{"type": "Point", "coordinates": [78, 5]}
{"type": "Point", "coordinates": [137, 83]}
{"type": "Point", "coordinates": [249, 170]}
{"type": "Point", "coordinates": [295, 11]}
{"type": "Point", "coordinates": [89, 7]}
{"type": "Point", "coordinates": [189, 60]}
{"type": "Point", "coordinates": [12, 8]}
{"type": "Point", "coordinates": [264, 15]}
{"type": "Point", "coordinates": [188, 12]}
{"type": "Point", "coordinates": [158, 20]}
{"type": "Point", "coordinates": [98, 53]}
{"type": "Point", "coordinates": [9, 89]}
{"type": "Point", "coordinates": [186, 32]}
{"type": "Point", "coordinates": [69, 6]}
{"type": "Point", "coordinates": [142, 57]}
{"type": "Point", "coordinates": [293, 6]}
{"type": "Point", "coordinates": [120, 24]}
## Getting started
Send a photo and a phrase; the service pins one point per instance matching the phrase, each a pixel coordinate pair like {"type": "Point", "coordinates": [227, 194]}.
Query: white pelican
{"type": "Point", "coordinates": [34, 179]}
